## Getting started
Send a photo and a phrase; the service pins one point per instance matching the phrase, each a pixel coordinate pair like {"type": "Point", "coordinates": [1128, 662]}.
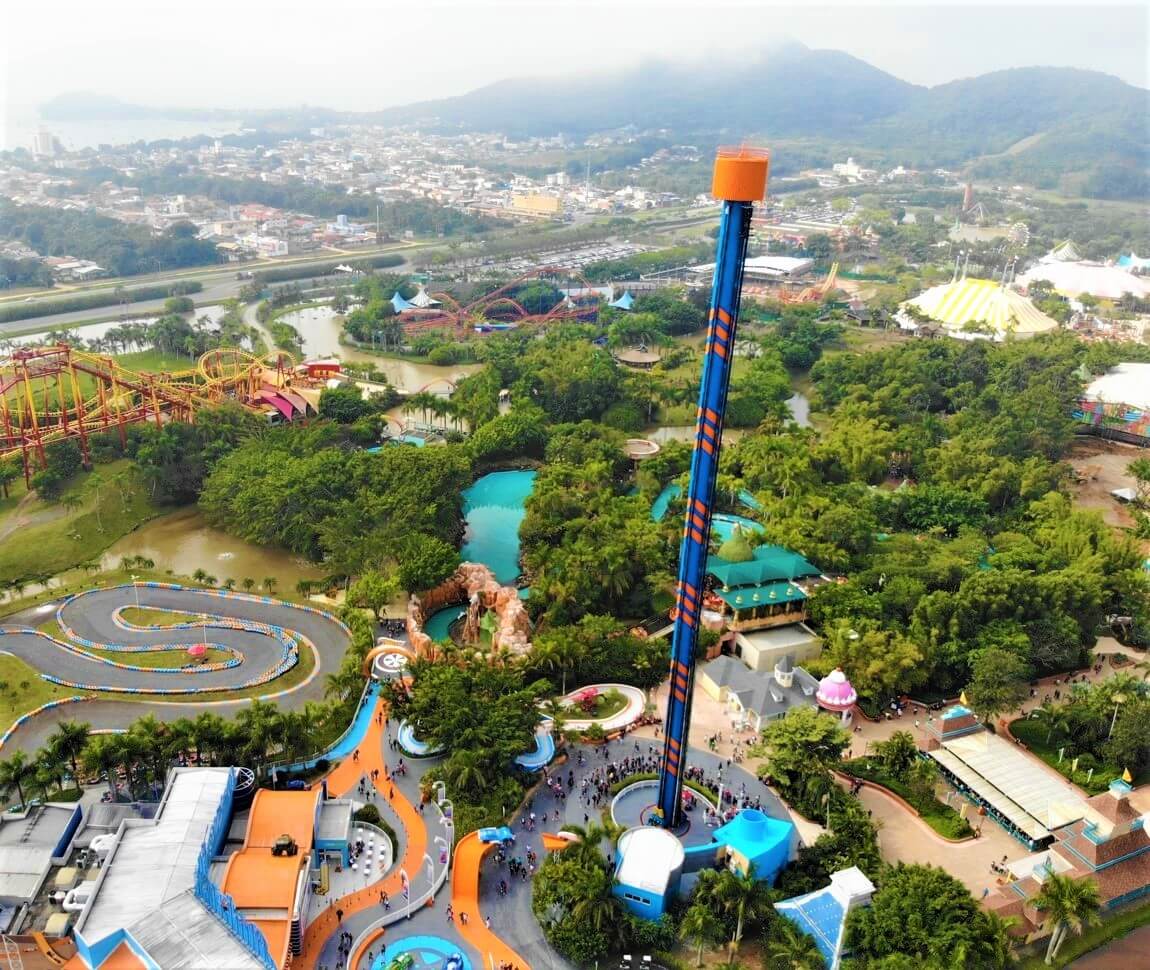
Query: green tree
{"type": "Point", "coordinates": [69, 740]}
{"type": "Point", "coordinates": [373, 591]}
{"type": "Point", "coordinates": [951, 928]}
{"type": "Point", "coordinates": [424, 562]}
{"type": "Point", "coordinates": [700, 925]}
{"type": "Point", "coordinates": [344, 404]}
{"type": "Point", "coordinates": [998, 682]}
{"type": "Point", "coordinates": [801, 748]}
{"type": "Point", "coordinates": [1071, 904]}
{"type": "Point", "coordinates": [898, 753]}
{"type": "Point", "coordinates": [789, 948]}
{"type": "Point", "coordinates": [17, 772]}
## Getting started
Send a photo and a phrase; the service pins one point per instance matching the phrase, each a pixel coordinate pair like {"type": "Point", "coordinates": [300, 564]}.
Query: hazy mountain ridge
{"type": "Point", "coordinates": [1094, 128]}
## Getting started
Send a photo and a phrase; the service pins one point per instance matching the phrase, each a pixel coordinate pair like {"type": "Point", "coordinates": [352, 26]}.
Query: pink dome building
{"type": "Point", "coordinates": [836, 694]}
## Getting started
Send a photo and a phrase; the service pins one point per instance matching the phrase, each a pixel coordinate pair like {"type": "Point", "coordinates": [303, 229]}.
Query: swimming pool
{"type": "Point", "coordinates": [722, 523]}
{"type": "Point", "coordinates": [438, 625]}
{"type": "Point", "coordinates": [494, 509]}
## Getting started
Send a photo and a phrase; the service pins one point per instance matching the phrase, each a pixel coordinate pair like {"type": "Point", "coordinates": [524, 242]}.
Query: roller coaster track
{"type": "Point", "coordinates": [460, 317]}
{"type": "Point", "coordinates": [50, 394]}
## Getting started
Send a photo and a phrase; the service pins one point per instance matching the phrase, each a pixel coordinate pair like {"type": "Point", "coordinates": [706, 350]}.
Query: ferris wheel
{"type": "Point", "coordinates": [1018, 238]}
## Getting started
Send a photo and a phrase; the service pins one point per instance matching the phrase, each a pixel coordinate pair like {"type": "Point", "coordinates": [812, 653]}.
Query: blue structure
{"type": "Point", "coordinates": [823, 913]}
{"type": "Point", "coordinates": [740, 180]}
{"type": "Point", "coordinates": [625, 302]}
{"type": "Point", "coordinates": [649, 871]}
{"type": "Point", "coordinates": [399, 304]}
{"type": "Point", "coordinates": [759, 841]}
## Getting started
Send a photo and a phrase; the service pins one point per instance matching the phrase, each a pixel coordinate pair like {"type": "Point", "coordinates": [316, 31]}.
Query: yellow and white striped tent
{"type": "Point", "coordinates": [971, 305]}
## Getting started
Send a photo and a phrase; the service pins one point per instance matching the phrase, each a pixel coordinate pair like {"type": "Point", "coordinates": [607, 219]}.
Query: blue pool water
{"type": "Point", "coordinates": [429, 952]}
{"type": "Point", "coordinates": [438, 625]}
{"type": "Point", "coordinates": [494, 508]}
{"type": "Point", "coordinates": [722, 523]}
{"type": "Point", "coordinates": [421, 749]}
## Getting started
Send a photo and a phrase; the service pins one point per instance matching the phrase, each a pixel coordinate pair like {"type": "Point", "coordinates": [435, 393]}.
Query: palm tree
{"type": "Point", "coordinates": [200, 575]}
{"type": "Point", "coordinates": [745, 896]}
{"type": "Point", "coordinates": [100, 758]}
{"type": "Point", "coordinates": [229, 584]}
{"type": "Point", "coordinates": [1072, 904]}
{"type": "Point", "coordinates": [248, 583]}
{"type": "Point", "coordinates": [15, 773]}
{"type": "Point", "coordinates": [270, 583]}
{"type": "Point", "coordinates": [68, 741]}
{"type": "Point", "coordinates": [465, 770]}
{"type": "Point", "coordinates": [791, 949]}
{"type": "Point", "coordinates": [700, 925]}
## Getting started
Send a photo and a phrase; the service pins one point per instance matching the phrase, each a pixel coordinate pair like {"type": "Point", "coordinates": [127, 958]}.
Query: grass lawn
{"type": "Point", "coordinates": [157, 658]}
{"type": "Point", "coordinates": [1033, 732]}
{"type": "Point", "coordinates": [109, 502]}
{"type": "Point", "coordinates": [154, 362]}
{"type": "Point", "coordinates": [1111, 928]}
{"type": "Point", "coordinates": [141, 616]}
{"type": "Point", "coordinates": [606, 705]}
{"type": "Point", "coordinates": [942, 818]}
{"type": "Point", "coordinates": [22, 690]}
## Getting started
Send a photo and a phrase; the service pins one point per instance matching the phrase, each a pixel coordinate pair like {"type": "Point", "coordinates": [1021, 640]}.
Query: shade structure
{"type": "Point", "coordinates": [982, 305]}
{"type": "Point", "coordinates": [197, 650]}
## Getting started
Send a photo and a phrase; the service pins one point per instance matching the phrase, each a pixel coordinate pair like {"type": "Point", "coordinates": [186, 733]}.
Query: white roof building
{"type": "Point", "coordinates": [1072, 278]}
{"type": "Point", "coordinates": [1127, 384]}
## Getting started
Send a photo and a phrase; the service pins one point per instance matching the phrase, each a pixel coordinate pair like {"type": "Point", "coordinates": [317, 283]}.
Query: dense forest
{"type": "Point", "coordinates": [118, 247]}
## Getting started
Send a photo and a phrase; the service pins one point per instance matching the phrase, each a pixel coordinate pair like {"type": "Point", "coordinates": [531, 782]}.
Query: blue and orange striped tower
{"type": "Point", "coordinates": [740, 180]}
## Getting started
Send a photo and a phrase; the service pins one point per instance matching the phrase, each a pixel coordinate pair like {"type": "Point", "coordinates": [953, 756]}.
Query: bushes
{"type": "Point", "coordinates": [90, 301]}
{"type": "Point", "coordinates": [942, 818]}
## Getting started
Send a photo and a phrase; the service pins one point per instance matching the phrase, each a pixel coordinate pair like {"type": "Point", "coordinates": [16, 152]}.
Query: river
{"type": "Point", "coordinates": [320, 328]}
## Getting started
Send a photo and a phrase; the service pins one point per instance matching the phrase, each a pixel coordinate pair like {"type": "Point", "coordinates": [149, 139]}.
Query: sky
{"type": "Point", "coordinates": [367, 54]}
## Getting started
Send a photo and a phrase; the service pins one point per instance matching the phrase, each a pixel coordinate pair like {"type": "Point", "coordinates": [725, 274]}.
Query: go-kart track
{"type": "Point", "coordinates": [262, 638]}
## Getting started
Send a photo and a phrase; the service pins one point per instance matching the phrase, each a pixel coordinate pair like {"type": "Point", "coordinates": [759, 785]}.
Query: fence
{"type": "Point", "coordinates": [219, 904]}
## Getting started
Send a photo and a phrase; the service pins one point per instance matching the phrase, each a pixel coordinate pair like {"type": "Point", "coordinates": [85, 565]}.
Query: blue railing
{"type": "Point", "coordinates": [218, 903]}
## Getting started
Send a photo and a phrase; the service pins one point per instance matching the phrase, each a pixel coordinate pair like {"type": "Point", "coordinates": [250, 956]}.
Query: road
{"type": "Point", "coordinates": [91, 616]}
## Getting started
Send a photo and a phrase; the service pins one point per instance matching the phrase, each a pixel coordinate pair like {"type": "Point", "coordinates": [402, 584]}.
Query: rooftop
{"type": "Point", "coordinates": [749, 597]}
{"type": "Point", "coordinates": [759, 692]}
{"type": "Point", "coordinates": [1028, 795]}
{"type": "Point", "coordinates": [648, 857]}
{"type": "Point", "coordinates": [154, 860]}
{"type": "Point", "coordinates": [1127, 384]}
{"type": "Point", "coordinates": [769, 565]}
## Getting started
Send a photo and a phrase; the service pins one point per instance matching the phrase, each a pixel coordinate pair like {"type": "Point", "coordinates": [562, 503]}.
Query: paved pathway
{"type": "Point", "coordinates": [92, 617]}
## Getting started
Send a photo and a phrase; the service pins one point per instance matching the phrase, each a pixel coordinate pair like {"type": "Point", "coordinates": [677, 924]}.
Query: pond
{"type": "Point", "coordinates": [494, 508]}
{"type": "Point", "coordinates": [320, 328]}
{"type": "Point", "coordinates": [183, 542]}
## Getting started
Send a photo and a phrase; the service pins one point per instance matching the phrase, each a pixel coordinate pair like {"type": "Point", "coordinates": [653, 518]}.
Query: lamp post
{"type": "Point", "coordinates": [136, 589]}
{"type": "Point", "coordinates": [1119, 700]}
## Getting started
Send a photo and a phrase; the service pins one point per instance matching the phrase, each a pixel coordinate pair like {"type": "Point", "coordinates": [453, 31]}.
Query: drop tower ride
{"type": "Point", "coordinates": [740, 180]}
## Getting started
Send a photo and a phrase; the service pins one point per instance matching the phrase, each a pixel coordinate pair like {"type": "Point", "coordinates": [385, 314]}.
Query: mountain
{"type": "Point", "coordinates": [1082, 132]}
{"type": "Point", "coordinates": [790, 89]}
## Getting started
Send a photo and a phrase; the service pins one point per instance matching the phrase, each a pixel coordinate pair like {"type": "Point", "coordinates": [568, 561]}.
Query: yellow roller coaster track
{"type": "Point", "coordinates": [48, 394]}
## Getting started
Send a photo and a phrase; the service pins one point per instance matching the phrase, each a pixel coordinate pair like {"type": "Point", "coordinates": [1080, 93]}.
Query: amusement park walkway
{"type": "Point", "coordinates": [91, 615]}
{"type": "Point", "coordinates": [321, 939]}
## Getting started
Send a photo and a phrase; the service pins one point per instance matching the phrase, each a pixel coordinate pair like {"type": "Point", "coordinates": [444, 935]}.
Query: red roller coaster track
{"type": "Point", "coordinates": [459, 317]}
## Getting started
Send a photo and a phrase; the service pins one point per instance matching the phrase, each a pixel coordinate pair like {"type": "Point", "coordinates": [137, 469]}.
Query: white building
{"type": "Point", "coordinates": [263, 245]}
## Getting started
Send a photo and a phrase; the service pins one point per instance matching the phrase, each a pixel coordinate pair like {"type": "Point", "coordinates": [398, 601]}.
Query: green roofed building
{"type": "Point", "coordinates": [754, 589]}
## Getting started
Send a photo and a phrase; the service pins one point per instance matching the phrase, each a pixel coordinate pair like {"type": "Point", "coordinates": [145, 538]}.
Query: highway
{"type": "Point", "coordinates": [220, 283]}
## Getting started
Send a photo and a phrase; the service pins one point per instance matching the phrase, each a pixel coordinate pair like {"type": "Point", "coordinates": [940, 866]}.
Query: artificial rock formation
{"type": "Point", "coordinates": [474, 584]}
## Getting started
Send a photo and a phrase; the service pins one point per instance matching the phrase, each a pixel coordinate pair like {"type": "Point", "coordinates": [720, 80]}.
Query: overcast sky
{"type": "Point", "coordinates": [364, 54]}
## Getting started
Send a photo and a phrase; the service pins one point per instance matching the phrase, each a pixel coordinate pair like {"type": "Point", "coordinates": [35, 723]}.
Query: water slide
{"type": "Point", "coordinates": [469, 855]}
{"type": "Point", "coordinates": [341, 782]}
